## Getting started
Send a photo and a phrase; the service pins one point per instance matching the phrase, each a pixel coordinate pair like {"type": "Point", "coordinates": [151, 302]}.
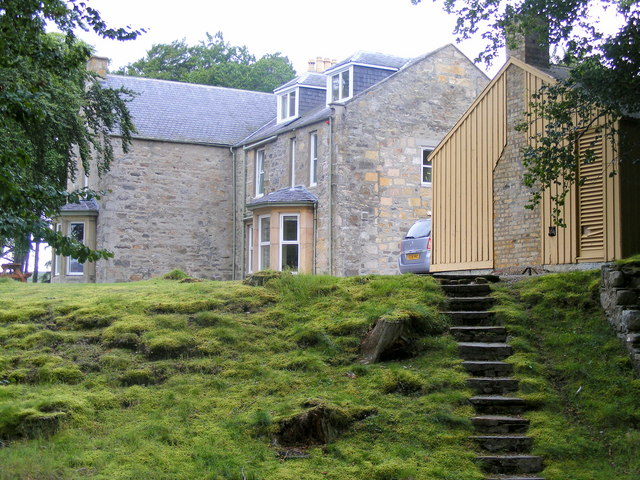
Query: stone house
{"type": "Point", "coordinates": [348, 169]}
{"type": "Point", "coordinates": [323, 176]}
{"type": "Point", "coordinates": [168, 203]}
{"type": "Point", "coordinates": [479, 216]}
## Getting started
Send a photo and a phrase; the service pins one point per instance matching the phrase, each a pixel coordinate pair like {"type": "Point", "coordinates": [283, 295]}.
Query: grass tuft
{"type": "Point", "coordinates": [175, 274]}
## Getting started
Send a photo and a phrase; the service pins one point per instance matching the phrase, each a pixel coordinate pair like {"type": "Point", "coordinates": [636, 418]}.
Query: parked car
{"type": "Point", "coordinates": [415, 248]}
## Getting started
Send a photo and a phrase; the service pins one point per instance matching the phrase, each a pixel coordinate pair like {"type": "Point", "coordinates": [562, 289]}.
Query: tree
{"type": "Point", "coordinates": [601, 88]}
{"type": "Point", "coordinates": [212, 62]}
{"type": "Point", "coordinates": [54, 115]}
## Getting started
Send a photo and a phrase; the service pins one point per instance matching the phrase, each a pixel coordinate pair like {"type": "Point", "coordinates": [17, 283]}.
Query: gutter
{"type": "Point", "coordinates": [280, 204]}
{"type": "Point", "coordinates": [260, 143]}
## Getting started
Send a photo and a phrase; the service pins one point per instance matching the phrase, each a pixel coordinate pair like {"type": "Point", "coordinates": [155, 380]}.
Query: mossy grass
{"type": "Point", "coordinates": [168, 380]}
{"type": "Point", "coordinates": [191, 380]}
{"type": "Point", "coordinates": [576, 374]}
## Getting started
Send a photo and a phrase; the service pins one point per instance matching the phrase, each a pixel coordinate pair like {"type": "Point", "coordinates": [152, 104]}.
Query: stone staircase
{"type": "Point", "coordinates": [500, 430]}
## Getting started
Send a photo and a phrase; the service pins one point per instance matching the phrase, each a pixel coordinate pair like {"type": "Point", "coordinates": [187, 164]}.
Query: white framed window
{"type": "Point", "coordinates": [56, 259]}
{"type": "Point", "coordinates": [287, 106]}
{"type": "Point", "coordinates": [292, 160]}
{"type": "Point", "coordinates": [290, 242]}
{"type": "Point", "coordinates": [426, 167]}
{"type": "Point", "coordinates": [259, 173]}
{"type": "Point", "coordinates": [264, 236]}
{"type": "Point", "coordinates": [76, 231]}
{"type": "Point", "coordinates": [340, 86]}
{"type": "Point", "coordinates": [249, 249]}
{"type": "Point", "coordinates": [313, 158]}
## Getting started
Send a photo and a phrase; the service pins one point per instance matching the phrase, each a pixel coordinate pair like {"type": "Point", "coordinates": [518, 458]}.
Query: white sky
{"type": "Point", "coordinates": [298, 29]}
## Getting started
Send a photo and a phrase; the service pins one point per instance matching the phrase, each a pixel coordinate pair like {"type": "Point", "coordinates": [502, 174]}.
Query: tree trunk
{"type": "Point", "coordinates": [388, 339]}
{"type": "Point", "coordinates": [36, 258]}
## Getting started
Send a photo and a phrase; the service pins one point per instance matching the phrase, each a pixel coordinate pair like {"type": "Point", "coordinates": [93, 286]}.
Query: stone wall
{"type": "Point", "coordinates": [516, 231]}
{"type": "Point", "coordinates": [277, 168]}
{"type": "Point", "coordinates": [378, 146]}
{"type": "Point", "coordinates": [172, 208]}
{"type": "Point", "coordinates": [620, 298]}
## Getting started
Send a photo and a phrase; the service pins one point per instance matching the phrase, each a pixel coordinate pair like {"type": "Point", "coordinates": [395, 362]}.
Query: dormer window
{"type": "Point", "coordinates": [340, 86]}
{"type": "Point", "coordinates": [287, 105]}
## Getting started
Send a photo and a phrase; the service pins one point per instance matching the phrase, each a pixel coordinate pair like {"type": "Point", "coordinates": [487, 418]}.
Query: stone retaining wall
{"type": "Point", "coordinates": [620, 298]}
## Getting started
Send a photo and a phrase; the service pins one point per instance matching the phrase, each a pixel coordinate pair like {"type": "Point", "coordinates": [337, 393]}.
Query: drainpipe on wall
{"type": "Point", "coordinates": [331, 192]}
{"type": "Point", "coordinates": [233, 206]}
{"type": "Point", "coordinates": [315, 237]}
{"type": "Point", "coordinates": [244, 199]}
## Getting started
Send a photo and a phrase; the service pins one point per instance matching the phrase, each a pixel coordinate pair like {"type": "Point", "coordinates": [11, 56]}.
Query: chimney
{"type": "Point", "coordinates": [320, 64]}
{"type": "Point", "coordinates": [531, 47]}
{"type": "Point", "coordinates": [98, 65]}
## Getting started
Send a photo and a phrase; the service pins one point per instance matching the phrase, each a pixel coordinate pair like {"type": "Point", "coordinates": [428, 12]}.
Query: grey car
{"type": "Point", "coordinates": [415, 250]}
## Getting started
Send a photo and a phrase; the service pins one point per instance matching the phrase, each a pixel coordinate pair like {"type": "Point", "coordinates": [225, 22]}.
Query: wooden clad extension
{"type": "Point", "coordinates": [592, 210]}
{"type": "Point", "coordinates": [463, 184]}
{"type": "Point", "coordinates": [465, 212]}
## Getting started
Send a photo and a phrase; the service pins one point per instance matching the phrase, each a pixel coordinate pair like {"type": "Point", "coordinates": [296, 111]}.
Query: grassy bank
{"type": "Point", "coordinates": [574, 369]}
{"type": "Point", "coordinates": [168, 380]}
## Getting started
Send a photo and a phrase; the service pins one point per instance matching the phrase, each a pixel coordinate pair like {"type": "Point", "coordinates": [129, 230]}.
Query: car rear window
{"type": "Point", "coordinates": [420, 229]}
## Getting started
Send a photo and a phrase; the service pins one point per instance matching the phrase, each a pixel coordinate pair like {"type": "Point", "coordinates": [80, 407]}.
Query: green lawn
{"type": "Point", "coordinates": [161, 379]}
{"type": "Point", "coordinates": [168, 380]}
{"type": "Point", "coordinates": [572, 366]}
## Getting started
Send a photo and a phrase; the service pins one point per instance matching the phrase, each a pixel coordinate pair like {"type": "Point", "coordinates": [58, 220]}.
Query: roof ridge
{"type": "Point", "coordinates": [178, 82]}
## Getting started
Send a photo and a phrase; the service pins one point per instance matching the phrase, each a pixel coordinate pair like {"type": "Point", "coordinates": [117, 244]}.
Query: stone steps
{"type": "Point", "coordinates": [453, 279]}
{"type": "Point", "coordinates": [511, 477]}
{"type": "Point", "coordinates": [510, 464]}
{"type": "Point", "coordinates": [484, 350]}
{"type": "Point", "coordinates": [470, 318]}
{"type": "Point", "coordinates": [493, 385]}
{"type": "Point", "coordinates": [499, 424]}
{"type": "Point", "coordinates": [487, 368]}
{"type": "Point", "coordinates": [470, 303]}
{"type": "Point", "coordinates": [500, 430]}
{"type": "Point", "coordinates": [479, 290]}
{"type": "Point", "coordinates": [479, 333]}
{"type": "Point", "coordinates": [498, 404]}
{"type": "Point", "coordinates": [504, 443]}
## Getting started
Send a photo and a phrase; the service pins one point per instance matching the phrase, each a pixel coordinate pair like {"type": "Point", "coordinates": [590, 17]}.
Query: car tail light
{"type": "Point", "coordinates": [429, 244]}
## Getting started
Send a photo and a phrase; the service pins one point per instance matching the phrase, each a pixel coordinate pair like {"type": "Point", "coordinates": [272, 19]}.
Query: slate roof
{"type": "Point", "coordinates": [273, 128]}
{"type": "Point", "coordinates": [324, 112]}
{"type": "Point", "coordinates": [373, 59]}
{"type": "Point", "coordinates": [292, 195]}
{"type": "Point", "coordinates": [308, 79]}
{"type": "Point", "coordinates": [82, 206]}
{"type": "Point", "coordinates": [184, 112]}
{"type": "Point", "coordinates": [558, 72]}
